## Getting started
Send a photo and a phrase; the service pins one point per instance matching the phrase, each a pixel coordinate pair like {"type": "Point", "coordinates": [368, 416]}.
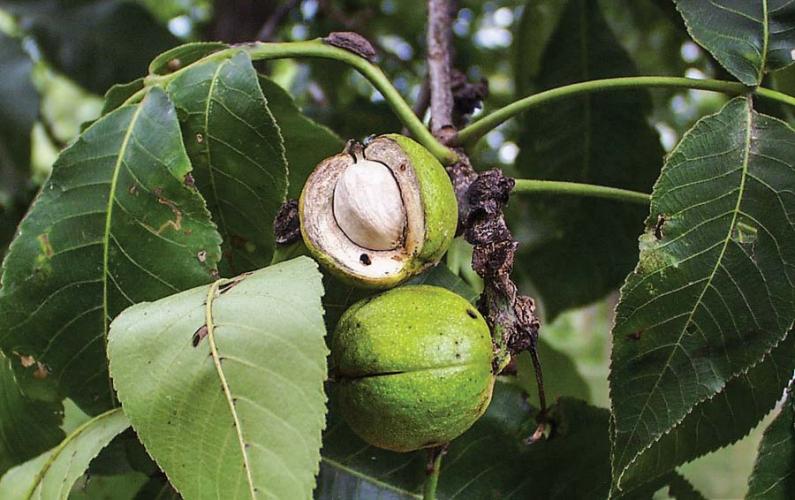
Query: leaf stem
{"type": "Point", "coordinates": [316, 48]}
{"type": "Point", "coordinates": [434, 467]}
{"type": "Point", "coordinates": [469, 135]}
{"type": "Point", "coordinates": [579, 189]}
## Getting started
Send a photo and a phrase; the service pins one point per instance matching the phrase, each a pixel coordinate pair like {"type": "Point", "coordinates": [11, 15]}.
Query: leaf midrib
{"type": "Point", "coordinates": [765, 42]}
{"type": "Point", "coordinates": [107, 231]}
{"type": "Point", "coordinates": [736, 211]}
{"type": "Point", "coordinates": [212, 293]}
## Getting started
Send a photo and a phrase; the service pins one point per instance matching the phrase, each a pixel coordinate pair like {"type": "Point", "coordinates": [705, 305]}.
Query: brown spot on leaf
{"type": "Point", "coordinates": [199, 138]}
{"type": "Point", "coordinates": [635, 335]}
{"type": "Point", "coordinates": [658, 227]}
{"type": "Point", "coordinates": [222, 289]}
{"type": "Point", "coordinates": [46, 247]}
{"type": "Point", "coordinates": [173, 65]}
{"type": "Point", "coordinates": [189, 181]}
{"type": "Point", "coordinates": [202, 256]}
{"type": "Point", "coordinates": [175, 224]}
{"type": "Point", "coordinates": [26, 361]}
{"type": "Point", "coordinates": [199, 335]}
{"type": "Point", "coordinates": [41, 372]}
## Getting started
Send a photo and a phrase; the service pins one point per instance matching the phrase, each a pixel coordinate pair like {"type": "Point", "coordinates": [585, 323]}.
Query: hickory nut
{"type": "Point", "coordinates": [378, 214]}
{"type": "Point", "coordinates": [412, 367]}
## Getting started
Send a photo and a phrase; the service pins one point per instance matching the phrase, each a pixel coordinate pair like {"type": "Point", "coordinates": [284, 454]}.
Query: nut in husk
{"type": "Point", "coordinates": [413, 367]}
{"type": "Point", "coordinates": [378, 214]}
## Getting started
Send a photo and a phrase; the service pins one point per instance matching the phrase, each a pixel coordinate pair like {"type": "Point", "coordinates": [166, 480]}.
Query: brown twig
{"type": "Point", "coordinates": [481, 201]}
{"type": "Point", "coordinates": [269, 27]}
{"type": "Point", "coordinates": [440, 67]}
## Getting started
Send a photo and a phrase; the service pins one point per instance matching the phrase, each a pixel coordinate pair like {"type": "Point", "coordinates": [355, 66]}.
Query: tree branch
{"type": "Point", "coordinates": [269, 27]}
{"type": "Point", "coordinates": [439, 68]}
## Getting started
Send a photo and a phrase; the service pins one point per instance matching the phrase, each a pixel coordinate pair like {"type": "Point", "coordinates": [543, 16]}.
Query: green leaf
{"type": "Point", "coordinates": [19, 104]}
{"type": "Point", "coordinates": [157, 488]}
{"type": "Point", "coordinates": [95, 42]}
{"type": "Point", "coordinates": [52, 474]}
{"type": "Point", "coordinates": [443, 277]}
{"type": "Point", "coordinates": [748, 37]}
{"type": "Point", "coordinates": [306, 142]}
{"type": "Point", "coordinates": [27, 427]}
{"type": "Point", "coordinates": [681, 489]}
{"type": "Point", "coordinates": [237, 153]}
{"type": "Point", "coordinates": [784, 81]}
{"type": "Point", "coordinates": [224, 384]}
{"type": "Point", "coordinates": [536, 27]}
{"type": "Point", "coordinates": [577, 250]}
{"type": "Point", "coordinates": [491, 460]}
{"type": "Point", "coordinates": [119, 93]}
{"type": "Point", "coordinates": [118, 487]}
{"type": "Point", "coordinates": [713, 290]}
{"type": "Point", "coordinates": [774, 471]}
{"type": "Point", "coordinates": [114, 225]}
{"type": "Point", "coordinates": [721, 420]}
{"type": "Point", "coordinates": [183, 55]}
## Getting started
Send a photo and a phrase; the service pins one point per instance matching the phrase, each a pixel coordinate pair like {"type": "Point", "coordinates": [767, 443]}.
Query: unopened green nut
{"type": "Point", "coordinates": [412, 367]}
{"type": "Point", "coordinates": [378, 214]}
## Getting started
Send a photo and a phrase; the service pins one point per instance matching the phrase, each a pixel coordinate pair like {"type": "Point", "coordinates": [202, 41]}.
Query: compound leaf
{"type": "Point", "coordinates": [713, 291]}
{"type": "Point", "coordinates": [114, 225]}
{"type": "Point", "coordinates": [224, 384]}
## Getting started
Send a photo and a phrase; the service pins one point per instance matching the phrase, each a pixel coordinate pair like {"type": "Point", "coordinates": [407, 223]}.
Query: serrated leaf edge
{"type": "Point", "coordinates": [55, 453]}
{"type": "Point", "coordinates": [222, 226]}
{"type": "Point", "coordinates": [616, 480]}
{"type": "Point", "coordinates": [765, 357]}
{"type": "Point", "coordinates": [765, 43]}
{"type": "Point", "coordinates": [227, 391]}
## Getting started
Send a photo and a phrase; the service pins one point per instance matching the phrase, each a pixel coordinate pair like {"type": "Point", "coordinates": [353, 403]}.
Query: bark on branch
{"type": "Point", "coordinates": [440, 67]}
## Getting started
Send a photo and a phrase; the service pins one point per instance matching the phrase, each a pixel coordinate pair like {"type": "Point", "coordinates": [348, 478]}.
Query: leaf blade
{"type": "Point", "coordinates": [747, 37]}
{"type": "Point", "coordinates": [238, 153]}
{"type": "Point", "coordinates": [52, 474]}
{"type": "Point", "coordinates": [774, 471]}
{"type": "Point", "coordinates": [268, 335]}
{"type": "Point", "coordinates": [722, 420]}
{"type": "Point", "coordinates": [115, 224]}
{"type": "Point", "coordinates": [719, 241]}
{"type": "Point", "coordinates": [306, 142]}
{"type": "Point", "coordinates": [27, 427]}
{"type": "Point", "coordinates": [577, 250]}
